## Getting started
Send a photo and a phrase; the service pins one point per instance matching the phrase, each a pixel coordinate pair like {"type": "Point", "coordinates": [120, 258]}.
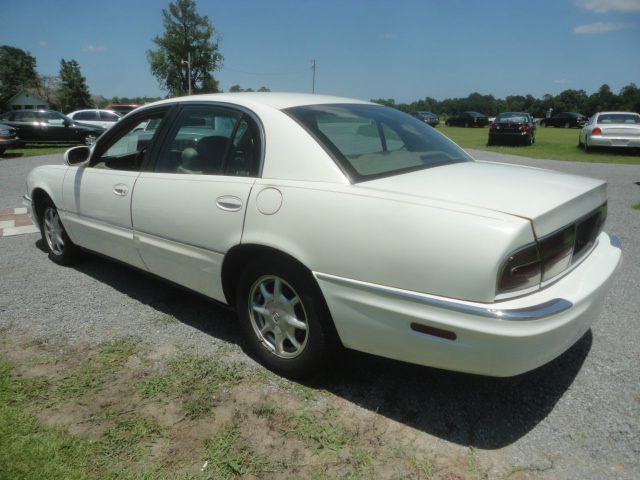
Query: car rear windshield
{"type": "Point", "coordinates": [619, 118]}
{"type": "Point", "coordinates": [372, 141]}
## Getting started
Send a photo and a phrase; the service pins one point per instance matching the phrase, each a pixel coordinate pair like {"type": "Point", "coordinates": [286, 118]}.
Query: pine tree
{"type": "Point", "coordinates": [73, 93]}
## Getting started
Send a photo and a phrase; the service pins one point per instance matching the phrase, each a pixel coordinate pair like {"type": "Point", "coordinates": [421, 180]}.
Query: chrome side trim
{"type": "Point", "coordinates": [534, 312]}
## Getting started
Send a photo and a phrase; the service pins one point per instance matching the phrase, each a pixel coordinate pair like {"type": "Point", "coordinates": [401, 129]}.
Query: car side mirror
{"type": "Point", "coordinates": [77, 155]}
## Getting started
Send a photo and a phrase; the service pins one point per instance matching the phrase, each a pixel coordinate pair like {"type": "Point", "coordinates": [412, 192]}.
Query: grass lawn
{"type": "Point", "coordinates": [33, 149]}
{"type": "Point", "coordinates": [551, 143]}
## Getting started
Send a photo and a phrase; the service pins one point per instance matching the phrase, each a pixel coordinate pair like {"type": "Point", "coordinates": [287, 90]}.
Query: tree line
{"type": "Point", "coordinates": [628, 99]}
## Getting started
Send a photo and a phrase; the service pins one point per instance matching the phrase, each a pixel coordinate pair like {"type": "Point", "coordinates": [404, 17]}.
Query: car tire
{"type": "Point", "coordinates": [543, 124]}
{"type": "Point", "coordinates": [291, 333]}
{"type": "Point", "coordinates": [59, 246]}
{"type": "Point", "coordinates": [466, 125]}
{"type": "Point", "coordinates": [1, 151]}
{"type": "Point", "coordinates": [567, 125]}
{"type": "Point", "coordinates": [587, 148]}
{"type": "Point", "coordinates": [88, 139]}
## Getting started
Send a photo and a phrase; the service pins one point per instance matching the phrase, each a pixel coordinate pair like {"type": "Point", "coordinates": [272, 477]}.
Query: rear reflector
{"type": "Point", "coordinates": [436, 332]}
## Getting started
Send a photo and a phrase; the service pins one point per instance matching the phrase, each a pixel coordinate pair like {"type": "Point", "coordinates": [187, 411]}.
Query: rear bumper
{"type": "Point", "coordinates": [500, 339]}
{"type": "Point", "coordinates": [9, 142]}
{"type": "Point", "coordinates": [622, 142]}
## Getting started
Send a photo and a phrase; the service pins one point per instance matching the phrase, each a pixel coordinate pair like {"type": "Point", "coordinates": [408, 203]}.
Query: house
{"type": "Point", "coordinates": [27, 99]}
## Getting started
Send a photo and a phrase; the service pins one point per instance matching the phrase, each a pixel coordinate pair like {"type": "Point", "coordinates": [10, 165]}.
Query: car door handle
{"type": "Point", "coordinates": [229, 203]}
{"type": "Point", "coordinates": [120, 190]}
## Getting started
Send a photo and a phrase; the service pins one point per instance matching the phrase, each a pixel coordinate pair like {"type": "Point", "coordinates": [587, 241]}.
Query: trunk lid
{"type": "Point", "coordinates": [549, 199]}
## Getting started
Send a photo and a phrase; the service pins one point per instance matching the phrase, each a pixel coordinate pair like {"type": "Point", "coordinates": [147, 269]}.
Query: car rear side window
{"type": "Point", "coordinates": [371, 141]}
{"type": "Point", "coordinates": [88, 115]}
{"type": "Point", "coordinates": [210, 141]}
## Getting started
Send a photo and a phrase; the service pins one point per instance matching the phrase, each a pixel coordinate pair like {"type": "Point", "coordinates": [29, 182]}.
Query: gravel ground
{"type": "Point", "coordinates": [580, 413]}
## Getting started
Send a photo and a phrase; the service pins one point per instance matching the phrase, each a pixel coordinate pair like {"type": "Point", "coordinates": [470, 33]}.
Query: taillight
{"type": "Point", "coordinates": [524, 128]}
{"type": "Point", "coordinates": [521, 270]}
{"type": "Point", "coordinates": [596, 131]}
{"type": "Point", "coordinates": [494, 127]}
{"type": "Point", "coordinates": [556, 251]}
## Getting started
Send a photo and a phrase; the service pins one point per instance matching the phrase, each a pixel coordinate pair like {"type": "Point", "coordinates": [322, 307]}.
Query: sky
{"type": "Point", "coordinates": [366, 49]}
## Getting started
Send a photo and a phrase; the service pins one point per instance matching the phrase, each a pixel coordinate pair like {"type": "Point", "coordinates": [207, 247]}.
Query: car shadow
{"type": "Point", "coordinates": [469, 410]}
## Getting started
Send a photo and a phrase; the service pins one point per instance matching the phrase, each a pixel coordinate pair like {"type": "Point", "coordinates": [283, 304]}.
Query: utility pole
{"type": "Point", "coordinates": [188, 62]}
{"type": "Point", "coordinates": [313, 83]}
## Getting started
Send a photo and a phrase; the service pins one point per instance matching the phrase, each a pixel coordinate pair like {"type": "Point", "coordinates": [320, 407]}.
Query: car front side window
{"type": "Point", "coordinates": [127, 150]}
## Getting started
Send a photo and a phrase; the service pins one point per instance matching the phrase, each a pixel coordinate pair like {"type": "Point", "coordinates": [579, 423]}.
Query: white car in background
{"type": "Point", "coordinates": [103, 118]}
{"type": "Point", "coordinates": [328, 221]}
{"type": "Point", "coordinates": [611, 129]}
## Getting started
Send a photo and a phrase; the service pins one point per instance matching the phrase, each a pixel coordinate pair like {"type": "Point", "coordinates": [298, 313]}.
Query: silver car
{"type": "Point", "coordinates": [103, 118]}
{"type": "Point", "coordinates": [611, 129]}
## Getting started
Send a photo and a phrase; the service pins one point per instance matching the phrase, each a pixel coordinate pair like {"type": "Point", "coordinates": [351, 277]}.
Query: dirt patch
{"type": "Point", "coordinates": [254, 424]}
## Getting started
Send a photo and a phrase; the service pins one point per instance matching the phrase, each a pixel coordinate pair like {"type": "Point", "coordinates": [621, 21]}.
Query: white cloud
{"type": "Point", "coordinates": [390, 36]}
{"type": "Point", "coordinates": [600, 27]}
{"type": "Point", "coordinates": [604, 6]}
{"type": "Point", "coordinates": [94, 49]}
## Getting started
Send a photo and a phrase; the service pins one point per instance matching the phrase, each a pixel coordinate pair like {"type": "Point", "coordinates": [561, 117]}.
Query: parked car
{"type": "Point", "coordinates": [102, 118]}
{"type": "Point", "coordinates": [427, 117]}
{"type": "Point", "coordinates": [122, 109]}
{"type": "Point", "coordinates": [327, 221]}
{"type": "Point", "coordinates": [8, 137]}
{"type": "Point", "coordinates": [611, 129]}
{"type": "Point", "coordinates": [564, 119]}
{"type": "Point", "coordinates": [468, 119]}
{"type": "Point", "coordinates": [49, 126]}
{"type": "Point", "coordinates": [514, 127]}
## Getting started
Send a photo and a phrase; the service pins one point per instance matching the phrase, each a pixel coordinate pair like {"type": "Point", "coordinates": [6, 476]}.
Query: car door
{"type": "Point", "coordinates": [27, 125]}
{"type": "Point", "coordinates": [188, 209]}
{"type": "Point", "coordinates": [55, 127]}
{"type": "Point", "coordinates": [97, 197]}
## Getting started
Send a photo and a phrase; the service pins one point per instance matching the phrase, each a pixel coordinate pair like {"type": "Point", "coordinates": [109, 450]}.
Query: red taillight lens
{"type": "Point", "coordinates": [494, 127]}
{"type": "Point", "coordinates": [596, 131]}
{"type": "Point", "coordinates": [522, 270]}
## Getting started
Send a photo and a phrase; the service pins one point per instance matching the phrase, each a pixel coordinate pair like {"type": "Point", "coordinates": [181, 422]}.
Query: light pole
{"type": "Point", "coordinates": [188, 62]}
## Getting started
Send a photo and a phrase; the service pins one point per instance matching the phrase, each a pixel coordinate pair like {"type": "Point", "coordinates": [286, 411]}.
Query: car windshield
{"type": "Point", "coordinates": [619, 118]}
{"type": "Point", "coordinates": [371, 141]}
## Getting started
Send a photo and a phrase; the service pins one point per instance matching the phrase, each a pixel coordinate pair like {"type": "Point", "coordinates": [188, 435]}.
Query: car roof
{"type": "Point", "coordinates": [627, 113]}
{"type": "Point", "coordinates": [277, 100]}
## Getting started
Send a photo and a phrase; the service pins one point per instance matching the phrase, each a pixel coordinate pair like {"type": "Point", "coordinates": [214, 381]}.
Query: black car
{"type": "Point", "coordinates": [564, 119]}
{"type": "Point", "coordinates": [49, 126]}
{"type": "Point", "coordinates": [515, 127]}
{"type": "Point", "coordinates": [427, 117]}
{"type": "Point", "coordinates": [468, 119]}
{"type": "Point", "coordinates": [8, 137]}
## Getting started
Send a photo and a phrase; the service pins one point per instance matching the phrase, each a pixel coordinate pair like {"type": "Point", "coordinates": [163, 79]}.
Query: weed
{"type": "Point", "coordinates": [636, 206]}
{"type": "Point", "coordinates": [193, 379]}
{"type": "Point", "coordinates": [473, 465]}
{"type": "Point", "coordinates": [167, 320]}
{"type": "Point", "coordinates": [266, 410]}
{"type": "Point", "coordinates": [115, 353]}
{"type": "Point", "coordinates": [320, 432]}
{"type": "Point", "coordinates": [229, 456]}
{"type": "Point", "coordinates": [125, 438]}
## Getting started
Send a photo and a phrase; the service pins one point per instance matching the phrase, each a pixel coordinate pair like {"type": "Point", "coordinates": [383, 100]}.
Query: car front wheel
{"type": "Point", "coordinates": [59, 246]}
{"type": "Point", "coordinates": [284, 317]}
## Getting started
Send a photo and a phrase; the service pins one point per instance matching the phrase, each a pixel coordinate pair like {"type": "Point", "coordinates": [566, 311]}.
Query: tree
{"type": "Point", "coordinates": [73, 93]}
{"type": "Point", "coordinates": [187, 34]}
{"type": "Point", "coordinates": [17, 71]}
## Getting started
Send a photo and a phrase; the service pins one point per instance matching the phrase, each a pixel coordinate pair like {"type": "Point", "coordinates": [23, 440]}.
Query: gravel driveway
{"type": "Point", "coordinates": [579, 415]}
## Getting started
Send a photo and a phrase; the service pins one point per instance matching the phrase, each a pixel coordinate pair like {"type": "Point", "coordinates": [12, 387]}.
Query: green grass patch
{"type": "Point", "coordinates": [323, 432]}
{"type": "Point", "coordinates": [34, 150]}
{"type": "Point", "coordinates": [193, 379]}
{"type": "Point", "coordinates": [229, 456]}
{"type": "Point", "coordinates": [551, 144]}
{"type": "Point", "coordinates": [636, 206]}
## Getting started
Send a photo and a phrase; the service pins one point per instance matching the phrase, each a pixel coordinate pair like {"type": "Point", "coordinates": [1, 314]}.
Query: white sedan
{"type": "Point", "coordinates": [330, 222]}
{"type": "Point", "coordinates": [611, 129]}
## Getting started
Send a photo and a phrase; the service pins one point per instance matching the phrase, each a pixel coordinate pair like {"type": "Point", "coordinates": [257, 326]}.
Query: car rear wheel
{"type": "Point", "coordinates": [284, 317]}
{"type": "Point", "coordinates": [88, 139]}
{"type": "Point", "coordinates": [59, 246]}
{"type": "Point", "coordinates": [567, 125]}
{"type": "Point", "coordinates": [543, 124]}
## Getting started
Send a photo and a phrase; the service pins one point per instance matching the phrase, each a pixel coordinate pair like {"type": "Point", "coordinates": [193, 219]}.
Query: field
{"type": "Point", "coordinates": [551, 144]}
{"type": "Point", "coordinates": [33, 150]}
